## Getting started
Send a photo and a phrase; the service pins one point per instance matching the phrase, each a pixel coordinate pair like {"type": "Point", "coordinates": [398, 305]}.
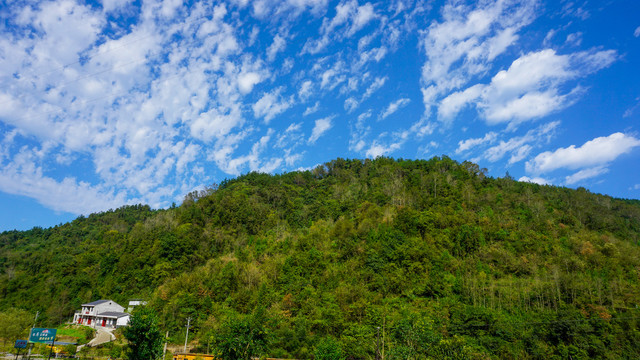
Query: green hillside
{"type": "Point", "coordinates": [446, 262]}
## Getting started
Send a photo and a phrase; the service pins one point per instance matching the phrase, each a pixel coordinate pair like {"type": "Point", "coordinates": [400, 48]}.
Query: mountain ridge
{"type": "Point", "coordinates": [445, 259]}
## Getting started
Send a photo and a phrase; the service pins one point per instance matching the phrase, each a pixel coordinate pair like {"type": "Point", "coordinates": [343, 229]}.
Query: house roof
{"type": "Point", "coordinates": [97, 302]}
{"type": "Point", "coordinates": [113, 314]}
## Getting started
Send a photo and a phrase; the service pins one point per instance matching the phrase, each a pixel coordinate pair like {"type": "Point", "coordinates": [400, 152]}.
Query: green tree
{"type": "Point", "coordinates": [242, 337]}
{"type": "Point", "coordinates": [143, 335]}
{"type": "Point", "coordinates": [14, 324]}
{"type": "Point", "coordinates": [328, 349]}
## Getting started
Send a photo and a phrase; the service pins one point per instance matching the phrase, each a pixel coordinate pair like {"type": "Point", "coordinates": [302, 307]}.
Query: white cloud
{"type": "Point", "coordinates": [461, 49]}
{"type": "Point", "coordinates": [585, 174]}
{"type": "Point", "coordinates": [574, 39]}
{"type": "Point", "coordinates": [350, 104]}
{"type": "Point", "coordinates": [375, 86]}
{"type": "Point", "coordinates": [138, 104]}
{"type": "Point", "coordinates": [347, 12]}
{"type": "Point", "coordinates": [528, 106]}
{"type": "Point", "coordinates": [376, 149]}
{"type": "Point", "coordinates": [247, 81]}
{"type": "Point", "coordinates": [628, 112]}
{"type": "Point", "coordinates": [529, 89]}
{"type": "Point", "coordinates": [359, 131]}
{"type": "Point", "coordinates": [365, 115]}
{"type": "Point", "coordinates": [305, 90]}
{"type": "Point", "coordinates": [270, 105]}
{"type": "Point", "coordinates": [535, 180]}
{"type": "Point", "coordinates": [290, 159]}
{"type": "Point", "coordinates": [254, 160]}
{"type": "Point", "coordinates": [111, 5]}
{"type": "Point", "coordinates": [215, 123]}
{"type": "Point", "coordinates": [637, 32]}
{"type": "Point", "coordinates": [394, 106]}
{"type": "Point", "coordinates": [321, 127]}
{"type": "Point", "coordinates": [597, 152]}
{"type": "Point", "coordinates": [463, 44]}
{"type": "Point", "coordinates": [312, 109]}
{"type": "Point", "coordinates": [519, 147]}
{"type": "Point", "coordinates": [364, 14]}
{"type": "Point", "coordinates": [291, 137]}
{"type": "Point", "coordinates": [471, 143]}
{"type": "Point", "coordinates": [333, 77]}
{"type": "Point", "coordinates": [24, 177]}
{"type": "Point", "coordinates": [454, 103]}
{"type": "Point", "coordinates": [151, 107]}
{"type": "Point", "coordinates": [277, 46]}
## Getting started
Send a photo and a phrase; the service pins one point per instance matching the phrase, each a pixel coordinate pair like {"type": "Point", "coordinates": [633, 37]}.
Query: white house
{"type": "Point", "coordinates": [106, 313]}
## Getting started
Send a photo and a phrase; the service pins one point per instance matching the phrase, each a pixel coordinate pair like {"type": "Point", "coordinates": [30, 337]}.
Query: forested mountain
{"type": "Point", "coordinates": [447, 262]}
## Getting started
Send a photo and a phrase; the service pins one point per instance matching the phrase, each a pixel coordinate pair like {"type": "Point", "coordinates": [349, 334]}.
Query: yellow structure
{"type": "Point", "coordinates": [207, 357]}
{"type": "Point", "coordinates": [193, 357]}
{"type": "Point", "coordinates": [57, 349]}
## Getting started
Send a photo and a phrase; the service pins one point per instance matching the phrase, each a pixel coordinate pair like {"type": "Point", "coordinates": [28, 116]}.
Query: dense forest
{"type": "Point", "coordinates": [412, 259]}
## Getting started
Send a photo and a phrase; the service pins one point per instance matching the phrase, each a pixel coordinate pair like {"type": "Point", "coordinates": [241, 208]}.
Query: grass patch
{"type": "Point", "coordinates": [75, 333]}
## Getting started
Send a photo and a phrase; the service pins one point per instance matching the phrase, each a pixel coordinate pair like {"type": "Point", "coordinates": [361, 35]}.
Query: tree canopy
{"type": "Point", "coordinates": [143, 335]}
{"type": "Point", "coordinates": [446, 261]}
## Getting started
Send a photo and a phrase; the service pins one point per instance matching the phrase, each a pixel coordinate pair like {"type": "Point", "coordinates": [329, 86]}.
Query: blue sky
{"type": "Point", "coordinates": [120, 102]}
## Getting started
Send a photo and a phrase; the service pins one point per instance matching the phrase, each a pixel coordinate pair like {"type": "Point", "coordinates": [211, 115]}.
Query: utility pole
{"type": "Point", "coordinates": [378, 343]}
{"type": "Point", "coordinates": [166, 339]}
{"type": "Point", "coordinates": [34, 325]}
{"type": "Point", "coordinates": [187, 337]}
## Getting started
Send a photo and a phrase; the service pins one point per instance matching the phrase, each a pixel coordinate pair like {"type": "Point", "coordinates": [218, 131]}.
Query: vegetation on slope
{"type": "Point", "coordinates": [445, 261]}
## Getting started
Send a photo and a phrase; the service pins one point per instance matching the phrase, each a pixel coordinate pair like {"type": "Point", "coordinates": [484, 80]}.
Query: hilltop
{"type": "Point", "coordinates": [443, 259]}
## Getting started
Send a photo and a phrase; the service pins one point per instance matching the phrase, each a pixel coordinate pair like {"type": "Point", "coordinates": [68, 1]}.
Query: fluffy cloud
{"type": "Point", "coordinates": [153, 106]}
{"type": "Point", "coordinates": [519, 147]}
{"type": "Point", "coordinates": [246, 81]}
{"type": "Point", "coordinates": [311, 109]}
{"type": "Point", "coordinates": [535, 180]}
{"type": "Point", "coordinates": [352, 103]}
{"type": "Point", "coordinates": [349, 16]}
{"type": "Point", "coordinates": [270, 105]}
{"type": "Point", "coordinates": [375, 86]}
{"type": "Point", "coordinates": [377, 149]}
{"type": "Point", "coordinates": [321, 127]}
{"type": "Point", "coordinates": [592, 154]}
{"type": "Point", "coordinates": [25, 177]}
{"type": "Point", "coordinates": [461, 49]}
{"type": "Point", "coordinates": [277, 46]}
{"type": "Point", "coordinates": [394, 106]}
{"type": "Point", "coordinates": [465, 145]}
{"type": "Point", "coordinates": [585, 174]}
{"type": "Point", "coordinates": [530, 88]}
{"type": "Point", "coordinates": [466, 41]}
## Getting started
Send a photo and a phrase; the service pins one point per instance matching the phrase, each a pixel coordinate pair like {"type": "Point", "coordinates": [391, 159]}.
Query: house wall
{"type": "Point", "coordinates": [108, 306]}
{"type": "Point", "coordinates": [123, 321]}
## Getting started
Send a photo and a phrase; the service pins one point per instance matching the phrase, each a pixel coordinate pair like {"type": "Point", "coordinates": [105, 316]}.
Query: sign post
{"type": "Point", "coordinates": [20, 344]}
{"type": "Point", "coordinates": [43, 335]}
{"type": "Point", "coordinates": [40, 335]}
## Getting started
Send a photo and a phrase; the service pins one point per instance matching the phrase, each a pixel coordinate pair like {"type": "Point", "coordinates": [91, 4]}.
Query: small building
{"type": "Point", "coordinates": [105, 313]}
{"type": "Point", "coordinates": [135, 302]}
